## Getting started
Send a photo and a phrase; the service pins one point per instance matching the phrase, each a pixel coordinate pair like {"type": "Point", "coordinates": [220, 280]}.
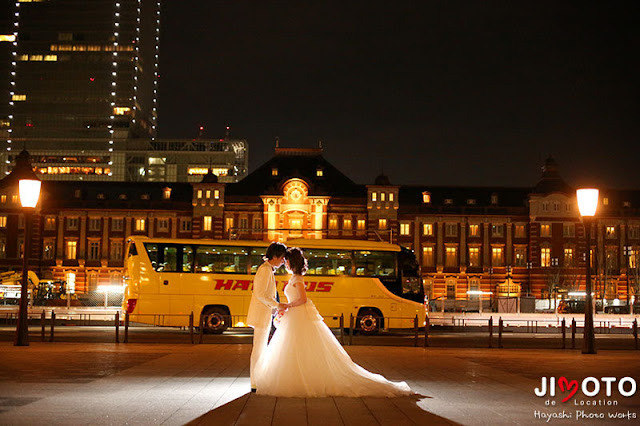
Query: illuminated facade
{"type": "Point", "coordinates": [500, 241]}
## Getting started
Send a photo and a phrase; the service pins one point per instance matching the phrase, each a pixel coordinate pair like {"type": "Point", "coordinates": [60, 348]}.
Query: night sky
{"type": "Point", "coordinates": [460, 93]}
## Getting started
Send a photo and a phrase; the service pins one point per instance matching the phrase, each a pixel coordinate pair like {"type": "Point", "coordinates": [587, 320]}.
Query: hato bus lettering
{"type": "Point", "coordinates": [311, 286]}
{"type": "Point", "coordinates": [378, 283]}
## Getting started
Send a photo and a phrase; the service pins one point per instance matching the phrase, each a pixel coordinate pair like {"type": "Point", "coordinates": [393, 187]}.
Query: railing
{"type": "Point", "coordinates": [347, 328]}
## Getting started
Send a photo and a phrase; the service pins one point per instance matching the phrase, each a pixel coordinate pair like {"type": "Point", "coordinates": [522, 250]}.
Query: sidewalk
{"type": "Point", "coordinates": [105, 383]}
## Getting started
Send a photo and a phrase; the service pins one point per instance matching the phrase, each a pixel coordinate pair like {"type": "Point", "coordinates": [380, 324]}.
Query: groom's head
{"type": "Point", "coordinates": [275, 254]}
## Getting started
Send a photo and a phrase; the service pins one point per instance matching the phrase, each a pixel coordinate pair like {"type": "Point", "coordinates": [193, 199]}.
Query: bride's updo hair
{"type": "Point", "coordinates": [297, 261]}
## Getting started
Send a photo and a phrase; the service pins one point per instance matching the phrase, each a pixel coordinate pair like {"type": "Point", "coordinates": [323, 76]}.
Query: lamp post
{"type": "Point", "coordinates": [588, 204]}
{"type": "Point", "coordinates": [627, 253]}
{"type": "Point", "coordinates": [29, 190]}
{"type": "Point", "coordinates": [529, 267]}
{"type": "Point", "coordinates": [491, 299]}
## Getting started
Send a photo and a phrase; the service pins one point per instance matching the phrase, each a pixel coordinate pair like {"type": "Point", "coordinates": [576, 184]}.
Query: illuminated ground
{"type": "Point", "coordinates": [106, 383]}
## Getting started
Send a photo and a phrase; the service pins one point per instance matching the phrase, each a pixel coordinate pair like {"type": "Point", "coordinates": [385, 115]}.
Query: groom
{"type": "Point", "coordinates": [263, 302]}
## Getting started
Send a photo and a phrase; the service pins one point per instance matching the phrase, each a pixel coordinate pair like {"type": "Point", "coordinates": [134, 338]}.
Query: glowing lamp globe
{"type": "Point", "coordinates": [29, 192]}
{"type": "Point", "coordinates": [587, 201]}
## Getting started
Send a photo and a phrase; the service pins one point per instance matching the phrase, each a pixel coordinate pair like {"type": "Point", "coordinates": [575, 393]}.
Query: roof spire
{"type": "Point", "coordinates": [277, 142]}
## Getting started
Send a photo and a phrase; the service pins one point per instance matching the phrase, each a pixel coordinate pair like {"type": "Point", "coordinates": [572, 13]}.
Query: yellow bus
{"type": "Point", "coordinates": [378, 283]}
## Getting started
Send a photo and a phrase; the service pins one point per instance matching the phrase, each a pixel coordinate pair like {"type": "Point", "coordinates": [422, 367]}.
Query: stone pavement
{"type": "Point", "coordinates": [175, 384]}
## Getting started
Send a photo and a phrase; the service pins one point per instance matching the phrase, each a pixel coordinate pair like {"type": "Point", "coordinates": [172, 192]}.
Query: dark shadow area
{"type": "Point", "coordinates": [251, 406]}
{"type": "Point", "coordinates": [226, 414]}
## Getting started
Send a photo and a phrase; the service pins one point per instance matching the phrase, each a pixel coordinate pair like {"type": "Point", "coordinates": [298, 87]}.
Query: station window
{"type": "Point", "coordinates": [451, 230]}
{"type": "Point", "coordinates": [71, 250]}
{"type": "Point", "coordinates": [140, 224]}
{"type": "Point", "coordinates": [117, 224]}
{"type": "Point", "coordinates": [545, 230]}
{"type": "Point", "coordinates": [545, 257]}
{"type": "Point", "coordinates": [207, 222]}
{"type": "Point", "coordinates": [451, 258]}
{"type": "Point", "coordinates": [474, 256]}
{"type": "Point", "coordinates": [427, 256]}
{"type": "Point", "coordinates": [497, 256]}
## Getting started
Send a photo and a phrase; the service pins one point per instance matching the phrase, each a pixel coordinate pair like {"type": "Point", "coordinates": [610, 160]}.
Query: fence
{"type": "Point", "coordinates": [346, 330]}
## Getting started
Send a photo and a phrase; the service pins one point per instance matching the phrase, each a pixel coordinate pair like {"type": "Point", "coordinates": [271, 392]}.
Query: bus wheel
{"type": "Point", "coordinates": [215, 320]}
{"type": "Point", "coordinates": [368, 322]}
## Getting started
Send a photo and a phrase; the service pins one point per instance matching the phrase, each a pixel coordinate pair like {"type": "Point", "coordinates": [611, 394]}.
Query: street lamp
{"type": "Point", "coordinates": [588, 204]}
{"type": "Point", "coordinates": [29, 190]}
{"type": "Point", "coordinates": [529, 267]}
{"type": "Point", "coordinates": [491, 300]}
{"type": "Point", "coordinates": [627, 252]}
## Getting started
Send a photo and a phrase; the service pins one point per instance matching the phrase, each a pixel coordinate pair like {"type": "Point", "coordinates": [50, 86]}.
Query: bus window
{"type": "Point", "coordinates": [221, 259]}
{"type": "Point", "coordinates": [152, 251]}
{"type": "Point", "coordinates": [328, 262]}
{"type": "Point", "coordinates": [256, 258]}
{"type": "Point", "coordinates": [169, 259]}
{"type": "Point", "coordinates": [187, 258]}
{"type": "Point", "coordinates": [257, 253]}
{"type": "Point", "coordinates": [375, 263]}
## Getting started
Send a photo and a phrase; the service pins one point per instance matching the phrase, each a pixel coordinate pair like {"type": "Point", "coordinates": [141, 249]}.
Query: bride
{"type": "Point", "coordinates": [304, 359]}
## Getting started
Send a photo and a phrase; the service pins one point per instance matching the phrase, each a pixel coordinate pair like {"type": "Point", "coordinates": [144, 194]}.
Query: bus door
{"type": "Point", "coordinates": [173, 264]}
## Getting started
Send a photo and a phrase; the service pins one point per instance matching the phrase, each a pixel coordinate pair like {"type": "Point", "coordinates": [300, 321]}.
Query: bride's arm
{"type": "Point", "coordinates": [302, 295]}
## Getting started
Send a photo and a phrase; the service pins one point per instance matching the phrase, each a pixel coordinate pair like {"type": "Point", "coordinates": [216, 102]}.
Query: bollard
{"type": "Point", "coordinates": [635, 332]}
{"type": "Point", "coordinates": [490, 331]}
{"type": "Point", "coordinates": [342, 329]}
{"type": "Point", "coordinates": [500, 327]}
{"type": "Point", "coordinates": [573, 333]}
{"type": "Point", "coordinates": [117, 321]}
{"type": "Point", "coordinates": [201, 328]}
{"type": "Point", "coordinates": [191, 327]}
{"type": "Point", "coordinates": [415, 328]}
{"type": "Point", "coordinates": [43, 317]}
{"type": "Point", "coordinates": [350, 329]}
{"type": "Point", "coordinates": [564, 333]}
{"type": "Point", "coordinates": [126, 327]}
{"type": "Point", "coordinates": [53, 322]}
{"type": "Point", "coordinates": [426, 330]}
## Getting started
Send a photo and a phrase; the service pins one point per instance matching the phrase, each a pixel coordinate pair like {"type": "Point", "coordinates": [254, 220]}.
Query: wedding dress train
{"type": "Point", "coordinates": [304, 359]}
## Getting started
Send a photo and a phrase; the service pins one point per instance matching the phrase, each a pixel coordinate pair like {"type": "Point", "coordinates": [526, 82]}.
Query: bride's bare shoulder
{"type": "Point", "coordinates": [296, 280]}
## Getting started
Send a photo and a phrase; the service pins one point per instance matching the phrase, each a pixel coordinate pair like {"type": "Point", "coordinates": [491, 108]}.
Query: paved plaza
{"type": "Point", "coordinates": [175, 384]}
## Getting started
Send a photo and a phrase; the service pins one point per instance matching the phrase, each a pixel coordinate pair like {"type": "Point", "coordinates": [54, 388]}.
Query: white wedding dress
{"type": "Point", "coordinates": [304, 359]}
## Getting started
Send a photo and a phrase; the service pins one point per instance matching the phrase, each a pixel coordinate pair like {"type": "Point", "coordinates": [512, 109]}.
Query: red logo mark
{"type": "Point", "coordinates": [318, 287]}
{"type": "Point", "coordinates": [566, 385]}
{"type": "Point", "coordinates": [321, 287]}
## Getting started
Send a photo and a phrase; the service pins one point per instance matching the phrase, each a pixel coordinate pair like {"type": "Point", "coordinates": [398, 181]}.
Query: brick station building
{"type": "Point", "coordinates": [503, 240]}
